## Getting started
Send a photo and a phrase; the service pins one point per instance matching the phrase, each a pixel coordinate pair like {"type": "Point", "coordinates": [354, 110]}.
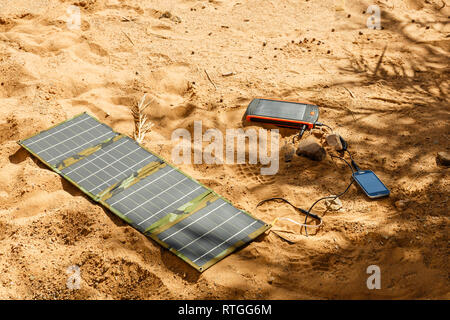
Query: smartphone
{"type": "Point", "coordinates": [371, 184]}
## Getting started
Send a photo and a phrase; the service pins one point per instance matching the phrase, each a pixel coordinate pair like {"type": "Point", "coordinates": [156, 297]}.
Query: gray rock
{"type": "Point", "coordinates": [311, 148]}
{"type": "Point", "coordinates": [443, 159]}
{"type": "Point", "coordinates": [334, 141]}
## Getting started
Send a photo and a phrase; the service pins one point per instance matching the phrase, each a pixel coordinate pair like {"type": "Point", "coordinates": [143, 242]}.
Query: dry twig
{"type": "Point", "coordinates": [128, 37]}
{"type": "Point", "coordinates": [141, 124]}
{"type": "Point", "coordinates": [209, 78]}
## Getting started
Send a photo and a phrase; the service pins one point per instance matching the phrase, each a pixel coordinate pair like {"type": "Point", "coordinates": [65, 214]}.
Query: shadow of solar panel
{"type": "Point", "coordinates": [162, 202]}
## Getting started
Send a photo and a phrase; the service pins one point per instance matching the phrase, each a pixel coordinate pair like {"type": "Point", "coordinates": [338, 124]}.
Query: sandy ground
{"type": "Point", "coordinates": [392, 108]}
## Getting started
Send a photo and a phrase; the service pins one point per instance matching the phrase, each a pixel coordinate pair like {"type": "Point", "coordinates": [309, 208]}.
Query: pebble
{"type": "Point", "coordinates": [333, 140]}
{"type": "Point", "coordinates": [443, 159]}
{"type": "Point", "coordinates": [288, 150]}
{"type": "Point", "coordinates": [310, 148]}
{"type": "Point", "coordinates": [401, 204]}
{"type": "Point", "coordinates": [333, 204]}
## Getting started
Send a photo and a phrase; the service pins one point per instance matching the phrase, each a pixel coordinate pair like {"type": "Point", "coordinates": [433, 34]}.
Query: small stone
{"type": "Point", "coordinates": [318, 134]}
{"type": "Point", "coordinates": [333, 204]}
{"type": "Point", "coordinates": [288, 150]}
{"type": "Point", "coordinates": [401, 204]}
{"type": "Point", "coordinates": [271, 280]}
{"type": "Point", "coordinates": [166, 15]}
{"type": "Point", "coordinates": [310, 148]}
{"type": "Point", "coordinates": [333, 140]}
{"type": "Point", "coordinates": [443, 159]}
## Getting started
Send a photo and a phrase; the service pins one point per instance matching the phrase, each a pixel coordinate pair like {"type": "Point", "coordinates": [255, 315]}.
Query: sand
{"type": "Point", "coordinates": [392, 108]}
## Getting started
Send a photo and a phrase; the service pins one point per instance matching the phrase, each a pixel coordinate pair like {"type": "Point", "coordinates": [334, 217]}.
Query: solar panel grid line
{"type": "Point", "coordinates": [48, 156]}
{"type": "Point", "coordinates": [80, 130]}
{"type": "Point", "coordinates": [134, 178]}
{"type": "Point", "coordinates": [110, 164]}
{"type": "Point", "coordinates": [97, 167]}
{"type": "Point", "coordinates": [197, 227]}
{"type": "Point", "coordinates": [61, 129]}
{"type": "Point", "coordinates": [192, 222]}
{"type": "Point", "coordinates": [87, 142]}
{"type": "Point", "coordinates": [216, 245]}
{"type": "Point", "coordinates": [72, 160]}
{"type": "Point", "coordinates": [165, 208]}
{"type": "Point", "coordinates": [140, 187]}
{"type": "Point", "coordinates": [90, 160]}
{"type": "Point", "coordinates": [211, 250]}
{"type": "Point", "coordinates": [224, 241]}
{"type": "Point", "coordinates": [133, 167]}
{"type": "Point", "coordinates": [148, 203]}
{"type": "Point", "coordinates": [157, 195]}
{"type": "Point", "coordinates": [211, 230]}
{"type": "Point", "coordinates": [67, 139]}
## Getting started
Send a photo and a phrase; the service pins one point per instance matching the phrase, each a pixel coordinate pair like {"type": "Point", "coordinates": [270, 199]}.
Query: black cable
{"type": "Point", "coordinates": [353, 162]}
{"type": "Point", "coordinates": [344, 145]}
{"type": "Point", "coordinates": [320, 124]}
{"type": "Point", "coordinates": [295, 207]}
{"type": "Point", "coordinates": [300, 134]}
{"type": "Point", "coordinates": [308, 213]}
{"type": "Point", "coordinates": [348, 164]}
{"type": "Point", "coordinates": [329, 197]}
{"type": "Point", "coordinates": [324, 198]}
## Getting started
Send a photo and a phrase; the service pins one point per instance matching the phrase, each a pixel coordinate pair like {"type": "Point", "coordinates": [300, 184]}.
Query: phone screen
{"type": "Point", "coordinates": [370, 183]}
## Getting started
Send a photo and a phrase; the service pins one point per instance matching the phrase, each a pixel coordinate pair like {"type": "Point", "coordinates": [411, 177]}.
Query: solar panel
{"type": "Point", "coordinates": [68, 138]}
{"type": "Point", "coordinates": [156, 198]}
{"type": "Point", "coordinates": [153, 197]}
{"type": "Point", "coordinates": [108, 165]}
{"type": "Point", "coordinates": [210, 232]}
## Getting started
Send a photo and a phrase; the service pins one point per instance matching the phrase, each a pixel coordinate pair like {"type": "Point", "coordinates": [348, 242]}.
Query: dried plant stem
{"type": "Point", "coordinates": [141, 124]}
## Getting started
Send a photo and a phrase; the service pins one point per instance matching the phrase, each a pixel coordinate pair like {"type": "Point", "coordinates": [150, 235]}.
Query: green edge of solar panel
{"type": "Point", "coordinates": [159, 227]}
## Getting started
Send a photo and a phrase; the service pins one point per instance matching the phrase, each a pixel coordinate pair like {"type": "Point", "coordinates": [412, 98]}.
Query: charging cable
{"type": "Point", "coordinates": [308, 213]}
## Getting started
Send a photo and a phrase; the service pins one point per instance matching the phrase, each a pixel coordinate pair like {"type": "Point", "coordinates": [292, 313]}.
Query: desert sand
{"type": "Point", "coordinates": [385, 91]}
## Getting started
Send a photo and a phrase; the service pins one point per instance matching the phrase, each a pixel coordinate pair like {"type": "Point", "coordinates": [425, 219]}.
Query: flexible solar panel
{"type": "Point", "coordinates": [140, 187]}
